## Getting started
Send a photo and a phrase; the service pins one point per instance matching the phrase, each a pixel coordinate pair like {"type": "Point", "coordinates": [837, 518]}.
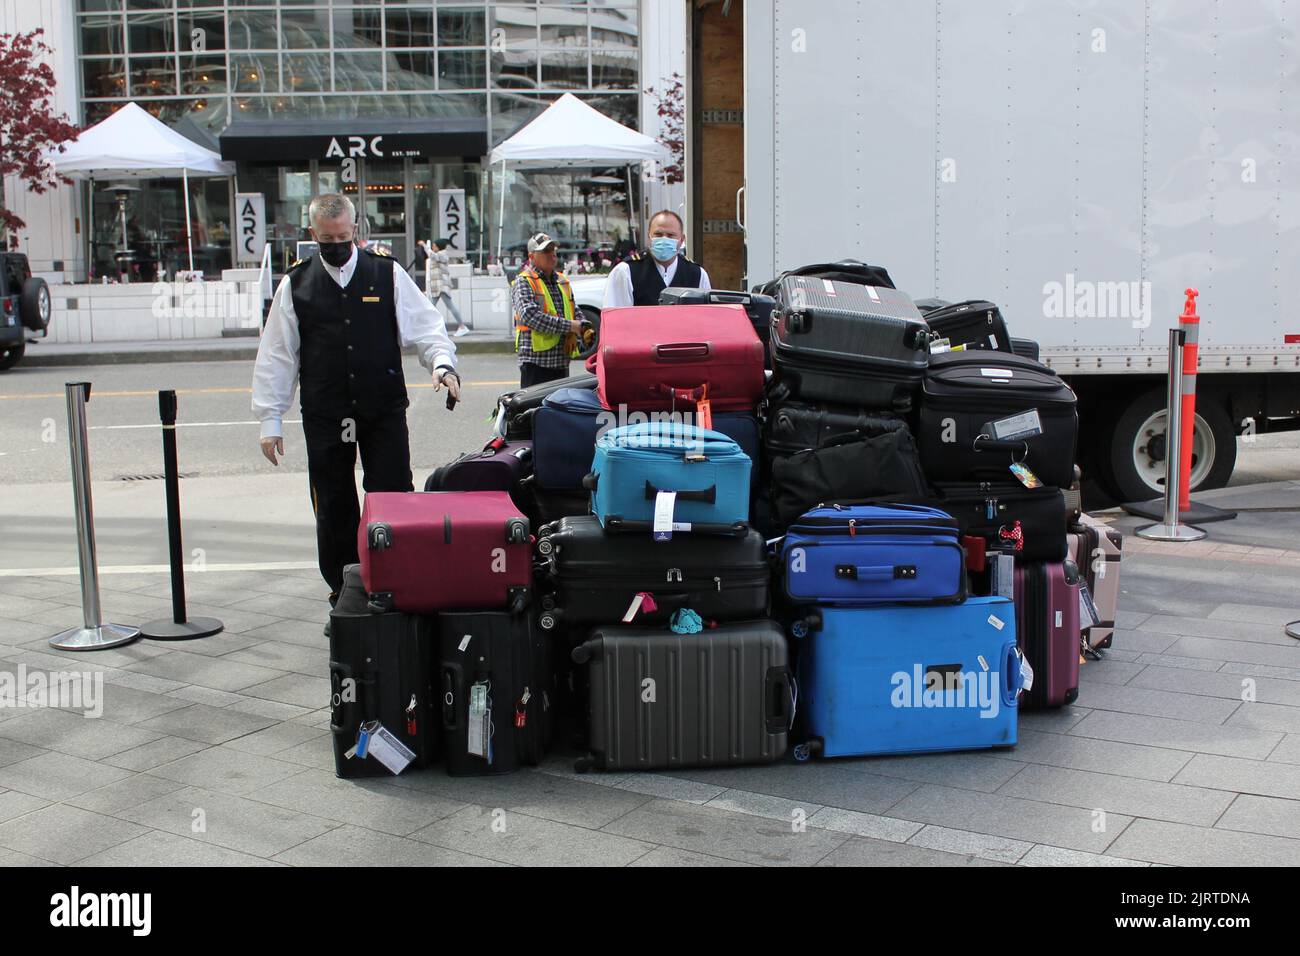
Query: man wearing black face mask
{"type": "Point", "coordinates": [337, 327]}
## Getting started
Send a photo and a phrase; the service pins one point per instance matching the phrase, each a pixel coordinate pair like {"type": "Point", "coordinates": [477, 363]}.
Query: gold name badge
{"type": "Point", "coordinates": [370, 298]}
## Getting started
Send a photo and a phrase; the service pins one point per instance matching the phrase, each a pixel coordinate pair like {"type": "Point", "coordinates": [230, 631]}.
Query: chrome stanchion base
{"type": "Point", "coordinates": [1198, 513]}
{"type": "Point", "coordinates": [1162, 532]}
{"type": "Point", "coordinates": [167, 629]}
{"type": "Point", "coordinates": [94, 638]}
{"type": "Point", "coordinates": [1293, 630]}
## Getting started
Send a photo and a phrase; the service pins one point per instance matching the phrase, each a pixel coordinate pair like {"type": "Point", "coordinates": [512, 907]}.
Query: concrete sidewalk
{"type": "Point", "coordinates": [235, 348]}
{"type": "Point", "coordinates": [1161, 760]}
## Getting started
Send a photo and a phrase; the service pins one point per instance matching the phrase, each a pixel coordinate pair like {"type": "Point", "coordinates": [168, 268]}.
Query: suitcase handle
{"type": "Point", "coordinates": [985, 443]}
{"type": "Point", "coordinates": [707, 495]}
{"type": "Point", "coordinates": [338, 724]}
{"type": "Point", "coordinates": [453, 679]}
{"type": "Point", "coordinates": [1011, 668]}
{"type": "Point", "coordinates": [778, 689]}
{"type": "Point", "coordinates": [875, 572]}
{"type": "Point", "coordinates": [616, 524]}
{"type": "Point", "coordinates": [682, 350]}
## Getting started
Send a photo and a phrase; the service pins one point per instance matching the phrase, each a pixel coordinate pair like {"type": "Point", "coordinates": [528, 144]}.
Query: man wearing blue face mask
{"type": "Point", "coordinates": [639, 280]}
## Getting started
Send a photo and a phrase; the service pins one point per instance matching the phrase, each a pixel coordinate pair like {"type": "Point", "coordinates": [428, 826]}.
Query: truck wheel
{"type": "Point", "coordinates": [10, 354]}
{"type": "Point", "coordinates": [34, 305]}
{"type": "Point", "coordinates": [1137, 448]}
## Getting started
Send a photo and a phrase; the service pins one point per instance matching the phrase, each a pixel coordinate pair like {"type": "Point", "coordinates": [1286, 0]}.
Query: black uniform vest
{"type": "Point", "coordinates": [351, 361]}
{"type": "Point", "coordinates": [647, 283]}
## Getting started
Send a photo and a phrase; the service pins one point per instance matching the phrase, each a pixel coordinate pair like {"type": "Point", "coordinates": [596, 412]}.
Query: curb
{"type": "Point", "coordinates": [232, 353]}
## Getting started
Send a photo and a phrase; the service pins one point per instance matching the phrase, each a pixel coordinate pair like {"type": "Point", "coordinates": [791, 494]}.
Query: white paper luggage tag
{"type": "Point", "coordinates": [388, 750]}
{"type": "Point", "coordinates": [665, 504]}
{"type": "Point", "coordinates": [1088, 616]}
{"type": "Point", "coordinates": [939, 346]}
{"type": "Point", "coordinates": [480, 722]}
{"type": "Point", "coordinates": [1013, 427]}
{"type": "Point", "coordinates": [1026, 673]}
{"type": "Point", "coordinates": [1004, 576]}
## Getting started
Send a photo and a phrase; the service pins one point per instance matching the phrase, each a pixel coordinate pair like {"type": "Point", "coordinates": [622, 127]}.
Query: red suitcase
{"type": "Point", "coordinates": [444, 550]}
{"type": "Point", "coordinates": [1047, 629]}
{"type": "Point", "coordinates": [662, 357]}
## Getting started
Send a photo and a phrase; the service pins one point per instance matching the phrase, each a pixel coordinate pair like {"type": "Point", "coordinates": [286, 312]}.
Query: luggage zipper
{"type": "Point", "coordinates": [835, 527]}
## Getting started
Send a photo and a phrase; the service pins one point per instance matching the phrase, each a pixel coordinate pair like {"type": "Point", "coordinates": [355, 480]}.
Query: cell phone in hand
{"type": "Point", "coordinates": [451, 401]}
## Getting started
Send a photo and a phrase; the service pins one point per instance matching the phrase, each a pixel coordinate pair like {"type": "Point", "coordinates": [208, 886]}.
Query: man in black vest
{"type": "Point", "coordinates": [337, 327]}
{"type": "Point", "coordinates": [639, 280]}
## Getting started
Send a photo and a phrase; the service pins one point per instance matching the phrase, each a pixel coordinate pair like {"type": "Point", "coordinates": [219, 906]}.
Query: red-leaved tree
{"type": "Point", "coordinates": [28, 123]}
{"type": "Point", "coordinates": [670, 104]}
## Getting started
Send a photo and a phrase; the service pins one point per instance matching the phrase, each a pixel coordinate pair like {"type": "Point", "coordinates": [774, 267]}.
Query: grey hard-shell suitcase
{"type": "Point", "coordinates": [662, 700]}
{"type": "Point", "coordinates": [840, 342]}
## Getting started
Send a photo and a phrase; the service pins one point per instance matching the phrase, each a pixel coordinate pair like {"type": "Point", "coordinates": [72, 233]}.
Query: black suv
{"type": "Point", "coordinates": [26, 307]}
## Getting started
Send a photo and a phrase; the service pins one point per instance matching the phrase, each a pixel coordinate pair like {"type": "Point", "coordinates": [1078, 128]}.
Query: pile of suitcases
{"type": "Point", "coordinates": [809, 517]}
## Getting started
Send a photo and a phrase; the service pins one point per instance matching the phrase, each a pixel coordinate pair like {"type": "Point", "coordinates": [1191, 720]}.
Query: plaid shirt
{"type": "Point", "coordinates": [532, 314]}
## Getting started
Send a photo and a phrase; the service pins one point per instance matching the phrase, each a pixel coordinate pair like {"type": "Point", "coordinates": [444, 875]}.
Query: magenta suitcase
{"type": "Point", "coordinates": [662, 357]}
{"type": "Point", "coordinates": [1047, 627]}
{"type": "Point", "coordinates": [425, 551]}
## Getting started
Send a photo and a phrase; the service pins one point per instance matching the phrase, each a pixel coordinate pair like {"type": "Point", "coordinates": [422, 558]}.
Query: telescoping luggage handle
{"type": "Point", "coordinates": [779, 688]}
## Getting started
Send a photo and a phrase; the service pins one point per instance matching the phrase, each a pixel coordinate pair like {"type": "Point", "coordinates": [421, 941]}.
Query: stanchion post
{"type": "Point", "coordinates": [94, 634]}
{"type": "Point", "coordinates": [1171, 530]}
{"type": "Point", "coordinates": [1191, 327]}
{"type": "Point", "coordinates": [179, 628]}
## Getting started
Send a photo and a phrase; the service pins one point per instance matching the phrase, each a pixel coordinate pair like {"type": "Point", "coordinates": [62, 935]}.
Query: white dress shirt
{"type": "Point", "coordinates": [618, 288]}
{"type": "Point", "coordinates": [275, 376]}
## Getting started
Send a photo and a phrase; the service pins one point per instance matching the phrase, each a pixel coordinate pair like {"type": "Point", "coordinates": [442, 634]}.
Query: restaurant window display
{"type": "Point", "coordinates": [139, 228]}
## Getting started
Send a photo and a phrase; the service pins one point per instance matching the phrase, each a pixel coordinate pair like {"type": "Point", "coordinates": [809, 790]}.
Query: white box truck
{"type": "Point", "coordinates": [1078, 162]}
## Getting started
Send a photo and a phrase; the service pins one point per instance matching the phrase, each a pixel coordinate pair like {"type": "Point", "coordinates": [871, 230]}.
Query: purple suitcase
{"type": "Point", "coordinates": [500, 466]}
{"type": "Point", "coordinates": [1047, 627]}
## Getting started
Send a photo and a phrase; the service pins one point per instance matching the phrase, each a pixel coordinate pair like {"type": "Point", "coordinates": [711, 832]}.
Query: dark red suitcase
{"type": "Point", "coordinates": [662, 357]}
{"type": "Point", "coordinates": [444, 550]}
{"type": "Point", "coordinates": [1047, 629]}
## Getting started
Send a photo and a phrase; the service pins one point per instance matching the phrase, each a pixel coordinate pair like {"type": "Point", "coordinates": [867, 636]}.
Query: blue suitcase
{"type": "Point", "coordinates": [566, 426]}
{"type": "Point", "coordinates": [863, 555]}
{"type": "Point", "coordinates": [898, 680]}
{"type": "Point", "coordinates": [633, 464]}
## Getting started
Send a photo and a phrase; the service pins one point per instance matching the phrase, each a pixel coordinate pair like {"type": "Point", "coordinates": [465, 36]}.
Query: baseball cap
{"type": "Point", "coordinates": [540, 242]}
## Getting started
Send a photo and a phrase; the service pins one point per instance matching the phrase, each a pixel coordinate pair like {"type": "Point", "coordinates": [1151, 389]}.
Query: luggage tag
{"type": "Point", "coordinates": [521, 709]}
{"type": "Point", "coordinates": [665, 503]}
{"type": "Point", "coordinates": [1026, 672]}
{"type": "Point", "coordinates": [388, 749]}
{"type": "Point", "coordinates": [1013, 427]}
{"type": "Point", "coordinates": [1088, 616]}
{"type": "Point", "coordinates": [363, 738]}
{"type": "Point", "coordinates": [1024, 475]}
{"type": "Point", "coordinates": [644, 601]}
{"type": "Point", "coordinates": [939, 346]}
{"type": "Point", "coordinates": [480, 722]}
{"type": "Point", "coordinates": [1002, 571]}
{"type": "Point", "coordinates": [704, 411]}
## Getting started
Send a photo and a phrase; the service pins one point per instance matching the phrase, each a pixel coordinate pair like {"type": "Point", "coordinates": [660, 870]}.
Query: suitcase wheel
{"type": "Point", "coordinates": [547, 621]}
{"type": "Point", "coordinates": [544, 547]}
{"type": "Point", "coordinates": [583, 764]}
{"type": "Point", "coordinates": [802, 753]}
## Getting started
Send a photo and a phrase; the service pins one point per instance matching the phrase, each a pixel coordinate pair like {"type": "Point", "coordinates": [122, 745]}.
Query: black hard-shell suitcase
{"type": "Point", "coordinates": [515, 409]}
{"type": "Point", "coordinates": [661, 700]}
{"type": "Point", "coordinates": [964, 391]}
{"type": "Point", "coordinates": [848, 344]}
{"type": "Point", "coordinates": [845, 270]}
{"type": "Point", "coordinates": [976, 323]}
{"type": "Point", "coordinates": [757, 306]}
{"type": "Point", "coordinates": [381, 668]}
{"type": "Point", "coordinates": [509, 658]}
{"type": "Point", "coordinates": [593, 577]}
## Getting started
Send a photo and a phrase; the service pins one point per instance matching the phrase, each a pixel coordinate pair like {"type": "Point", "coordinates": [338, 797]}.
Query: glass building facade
{"type": "Point", "coordinates": [295, 93]}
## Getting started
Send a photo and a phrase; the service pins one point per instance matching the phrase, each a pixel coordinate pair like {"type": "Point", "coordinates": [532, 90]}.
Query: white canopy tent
{"type": "Point", "coordinates": [132, 144]}
{"type": "Point", "coordinates": [569, 132]}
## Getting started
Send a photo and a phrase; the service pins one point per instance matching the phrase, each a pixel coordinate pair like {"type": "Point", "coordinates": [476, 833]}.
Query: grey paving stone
{"type": "Point", "coordinates": [1264, 777]}
{"type": "Point", "coordinates": [129, 792]}
{"type": "Point", "coordinates": [58, 590]}
{"type": "Point", "coordinates": [57, 776]}
{"type": "Point", "coordinates": [237, 823]}
{"type": "Point", "coordinates": [193, 694]}
{"type": "Point", "coordinates": [284, 605]}
{"type": "Point", "coordinates": [1269, 815]}
{"type": "Point", "coordinates": [205, 671]}
{"type": "Point", "coordinates": [969, 843]}
{"type": "Point", "coordinates": [668, 788]}
{"type": "Point", "coordinates": [23, 632]}
{"type": "Point", "coordinates": [276, 738]}
{"type": "Point", "coordinates": [268, 708]}
{"type": "Point", "coordinates": [209, 725]}
{"type": "Point", "coordinates": [1256, 614]}
{"type": "Point", "coordinates": [1178, 844]}
{"type": "Point", "coordinates": [220, 768]}
{"type": "Point", "coordinates": [1146, 642]}
{"type": "Point", "coordinates": [168, 849]}
{"type": "Point", "coordinates": [1157, 597]}
{"type": "Point", "coordinates": [316, 753]}
{"type": "Point", "coordinates": [1270, 671]}
{"type": "Point", "coordinates": [154, 754]}
{"type": "Point", "coordinates": [1138, 798]}
{"type": "Point", "coordinates": [1123, 654]}
{"type": "Point", "coordinates": [10, 858]}
{"type": "Point", "coordinates": [1130, 620]}
{"type": "Point", "coordinates": [236, 619]}
{"type": "Point", "coordinates": [1056, 721]}
{"type": "Point", "coordinates": [544, 795]}
{"type": "Point", "coordinates": [73, 734]}
{"type": "Point", "coordinates": [311, 589]}
{"type": "Point", "coordinates": [1159, 703]}
{"type": "Point", "coordinates": [734, 836]}
{"type": "Point", "coordinates": [863, 851]}
{"type": "Point", "coordinates": [864, 824]}
{"type": "Point", "coordinates": [354, 846]}
{"type": "Point", "coordinates": [1107, 671]}
{"type": "Point", "coordinates": [1243, 652]}
{"type": "Point", "coordinates": [1288, 751]}
{"type": "Point", "coordinates": [19, 606]}
{"type": "Point", "coordinates": [373, 804]}
{"type": "Point", "coordinates": [127, 705]}
{"type": "Point", "coordinates": [522, 840]}
{"type": "Point", "coordinates": [15, 804]}
{"type": "Point", "coordinates": [1264, 716]}
{"type": "Point", "coordinates": [1174, 734]}
{"type": "Point", "coordinates": [1103, 756]}
{"type": "Point", "coordinates": [304, 633]}
{"type": "Point", "coordinates": [299, 689]}
{"type": "Point", "coordinates": [1217, 628]}
{"type": "Point", "coordinates": [968, 771]}
{"type": "Point", "coordinates": [1218, 684]}
{"type": "Point", "coordinates": [995, 814]}
{"type": "Point", "coordinates": [1042, 855]}
{"type": "Point", "coordinates": [296, 658]}
{"type": "Point", "coordinates": [827, 784]}
{"type": "Point", "coordinates": [761, 805]}
{"type": "Point", "coordinates": [56, 617]}
{"type": "Point", "coordinates": [63, 834]}
{"type": "Point", "coordinates": [1186, 663]}
{"type": "Point", "coordinates": [11, 751]}
{"type": "Point", "coordinates": [117, 658]}
{"type": "Point", "coordinates": [216, 645]}
{"type": "Point", "coordinates": [668, 856]}
{"type": "Point", "coordinates": [136, 681]}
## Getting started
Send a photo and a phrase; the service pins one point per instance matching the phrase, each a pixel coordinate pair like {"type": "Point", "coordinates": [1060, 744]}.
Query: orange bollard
{"type": "Point", "coordinates": [1191, 325]}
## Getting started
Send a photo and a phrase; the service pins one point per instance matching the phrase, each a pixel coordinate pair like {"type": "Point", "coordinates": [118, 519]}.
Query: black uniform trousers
{"type": "Point", "coordinates": [530, 374]}
{"type": "Point", "coordinates": [332, 445]}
